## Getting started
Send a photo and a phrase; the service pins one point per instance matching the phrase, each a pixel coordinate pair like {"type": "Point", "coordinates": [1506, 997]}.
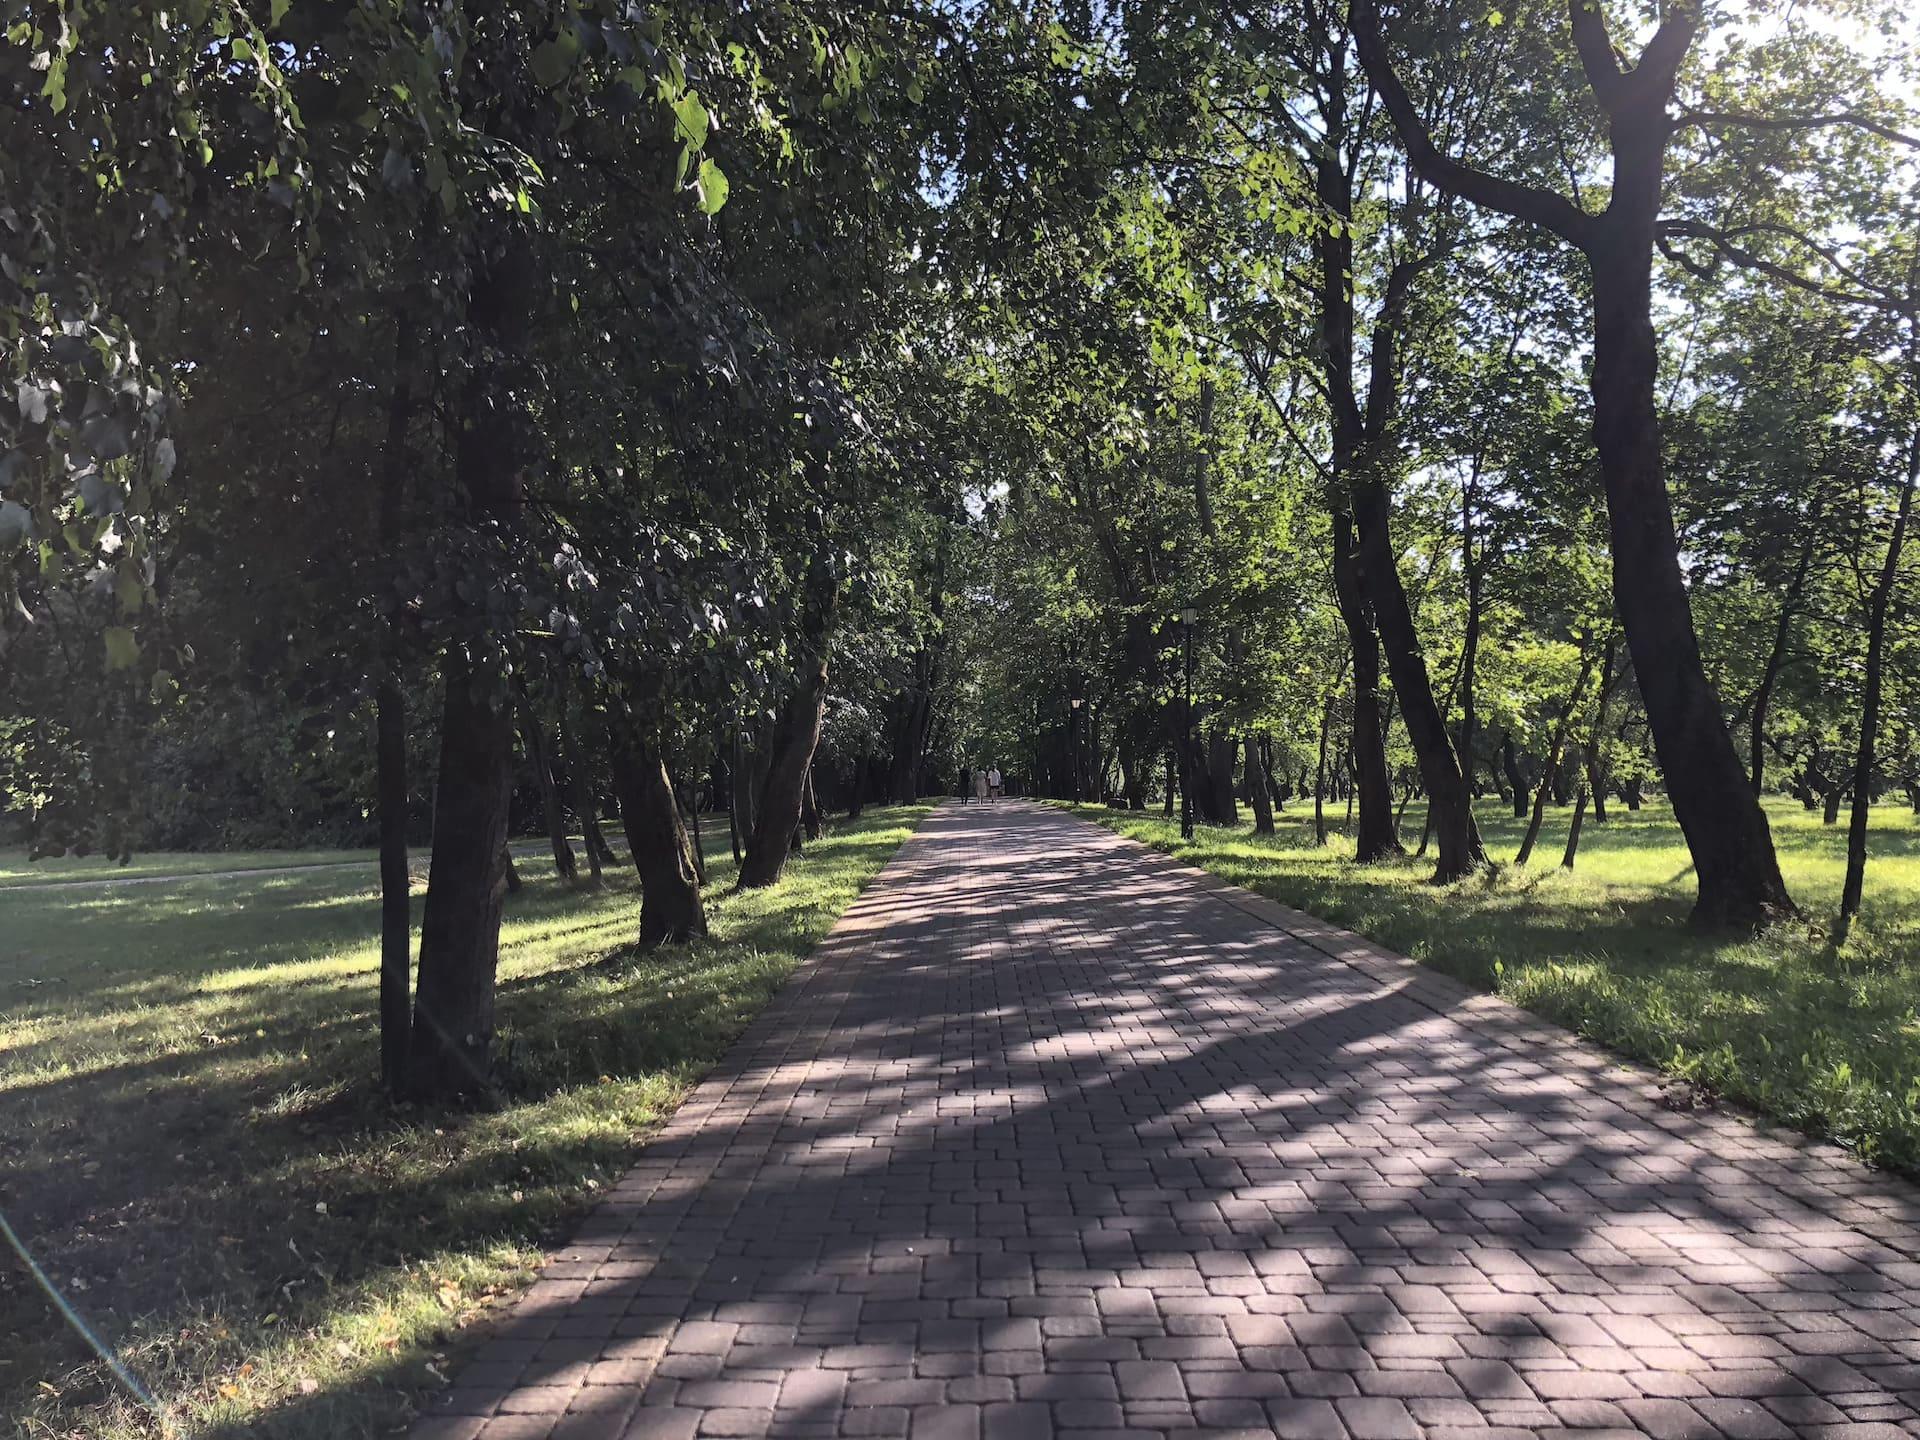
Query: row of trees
{"type": "Point", "coordinates": [627, 402]}
{"type": "Point", "coordinates": [1509, 393]}
{"type": "Point", "coordinates": [536, 393]}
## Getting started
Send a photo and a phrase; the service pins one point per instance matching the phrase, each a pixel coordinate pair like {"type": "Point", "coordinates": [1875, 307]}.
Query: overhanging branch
{"type": "Point", "coordinates": [1545, 208]}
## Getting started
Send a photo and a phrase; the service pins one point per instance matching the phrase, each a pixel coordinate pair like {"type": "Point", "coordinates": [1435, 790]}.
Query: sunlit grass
{"type": "Point", "coordinates": [192, 1146]}
{"type": "Point", "coordinates": [17, 869]}
{"type": "Point", "coordinates": [1828, 1042]}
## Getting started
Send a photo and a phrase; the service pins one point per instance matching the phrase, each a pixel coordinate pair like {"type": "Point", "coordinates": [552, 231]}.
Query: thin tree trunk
{"type": "Point", "coordinates": [390, 747]}
{"type": "Point", "coordinates": [791, 746]}
{"type": "Point", "coordinates": [1573, 830]}
{"type": "Point", "coordinates": [580, 782]}
{"type": "Point", "coordinates": [857, 800]}
{"type": "Point", "coordinates": [1320, 776]}
{"type": "Point", "coordinates": [1776, 658]}
{"type": "Point", "coordinates": [810, 808]}
{"type": "Point", "coordinates": [1595, 756]}
{"type": "Point", "coordinates": [551, 810]}
{"type": "Point", "coordinates": [1882, 600]}
{"type": "Point", "coordinates": [739, 796]}
{"type": "Point", "coordinates": [1516, 784]}
{"type": "Point", "coordinates": [694, 838]}
{"type": "Point", "coordinates": [1258, 793]}
{"type": "Point", "coordinates": [1449, 805]}
{"type": "Point", "coordinates": [1551, 771]}
{"type": "Point", "coordinates": [1377, 838]}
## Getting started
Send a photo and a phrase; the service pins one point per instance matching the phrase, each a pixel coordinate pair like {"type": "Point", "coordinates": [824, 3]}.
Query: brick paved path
{"type": "Point", "coordinates": [1056, 1135]}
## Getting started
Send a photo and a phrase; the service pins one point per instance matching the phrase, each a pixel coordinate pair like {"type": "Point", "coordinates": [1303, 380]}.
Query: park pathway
{"type": "Point", "coordinates": [1056, 1135]}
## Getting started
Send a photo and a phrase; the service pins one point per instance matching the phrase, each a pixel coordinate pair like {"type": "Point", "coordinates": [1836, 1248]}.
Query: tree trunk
{"type": "Point", "coordinates": [1740, 886]}
{"type": "Point", "coordinates": [551, 810]}
{"type": "Point", "coordinates": [740, 790]}
{"type": "Point", "coordinates": [1776, 658]}
{"type": "Point", "coordinates": [1278, 790]}
{"type": "Point", "coordinates": [790, 748]}
{"type": "Point", "coordinates": [1573, 830]}
{"type": "Point", "coordinates": [1595, 755]}
{"type": "Point", "coordinates": [1738, 873]}
{"type": "Point", "coordinates": [671, 909]}
{"type": "Point", "coordinates": [858, 799]}
{"type": "Point", "coordinates": [390, 747]}
{"type": "Point", "coordinates": [1221, 807]}
{"type": "Point", "coordinates": [1551, 772]}
{"type": "Point", "coordinates": [460, 930]}
{"type": "Point", "coordinates": [580, 782]}
{"type": "Point", "coordinates": [1882, 600]}
{"type": "Point", "coordinates": [1320, 776]}
{"type": "Point", "coordinates": [1830, 803]}
{"type": "Point", "coordinates": [466, 886]}
{"type": "Point", "coordinates": [396, 911]}
{"type": "Point", "coordinates": [1449, 806]}
{"type": "Point", "coordinates": [1258, 793]}
{"type": "Point", "coordinates": [1516, 783]}
{"type": "Point", "coordinates": [810, 808]}
{"type": "Point", "coordinates": [1377, 838]}
{"type": "Point", "coordinates": [1166, 809]}
{"type": "Point", "coordinates": [695, 841]}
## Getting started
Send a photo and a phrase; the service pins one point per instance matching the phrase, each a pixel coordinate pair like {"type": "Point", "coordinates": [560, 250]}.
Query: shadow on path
{"type": "Point", "coordinates": [1048, 1137]}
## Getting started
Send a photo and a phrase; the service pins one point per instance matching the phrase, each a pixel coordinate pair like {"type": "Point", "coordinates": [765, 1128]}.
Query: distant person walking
{"type": "Point", "coordinates": [996, 787]}
{"type": "Point", "coordinates": [980, 786]}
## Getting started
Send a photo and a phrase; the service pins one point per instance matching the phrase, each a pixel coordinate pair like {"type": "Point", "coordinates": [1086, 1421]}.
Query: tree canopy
{"type": "Point", "coordinates": [422, 418]}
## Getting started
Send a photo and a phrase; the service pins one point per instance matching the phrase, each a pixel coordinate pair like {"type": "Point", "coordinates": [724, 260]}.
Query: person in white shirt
{"type": "Point", "coordinates": [995, 788]}
{"type": "Point", "coordinates": [980, 790]}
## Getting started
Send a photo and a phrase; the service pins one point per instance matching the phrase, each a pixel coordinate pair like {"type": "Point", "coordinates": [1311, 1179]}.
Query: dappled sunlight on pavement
{"type": "Point", "coordinates": [1054, 1134]}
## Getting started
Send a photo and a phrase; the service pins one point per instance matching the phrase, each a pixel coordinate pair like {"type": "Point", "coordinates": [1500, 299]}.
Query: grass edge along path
{"type": "Point", "coordinates": [409, 1228]}
{"type": "Point", "coordinates": [1777, 1024]}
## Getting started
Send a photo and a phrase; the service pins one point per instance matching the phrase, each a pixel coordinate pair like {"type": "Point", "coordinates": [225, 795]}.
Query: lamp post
{"type": "Point", "coordinates": [1073, 742]}
{"type": "Point", "coordinates": [1187, 617]}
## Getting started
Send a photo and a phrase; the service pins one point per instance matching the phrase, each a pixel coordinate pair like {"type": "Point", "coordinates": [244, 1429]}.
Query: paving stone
{"type": "Point", "coordinates": [1056, 1136]}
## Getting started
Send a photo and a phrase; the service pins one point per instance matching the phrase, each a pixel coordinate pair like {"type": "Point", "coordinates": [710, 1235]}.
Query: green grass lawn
{"type": "Point", "coordinates": [1830, 1043]}
{"type": "Point", "coordinates": [192, 1147]}
{"type": "Point", "coordinates": [17, 870]}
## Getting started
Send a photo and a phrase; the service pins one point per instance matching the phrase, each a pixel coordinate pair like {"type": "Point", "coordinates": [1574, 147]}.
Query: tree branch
{"type": "Point", "coordinates": [1590, 39]}
{"type": "Point", "coordinates": [1726, 246]}
{"type": "Point", "coordinates": [1735, 120]}
{"type": "Point", "coordinates": [1545, 208]}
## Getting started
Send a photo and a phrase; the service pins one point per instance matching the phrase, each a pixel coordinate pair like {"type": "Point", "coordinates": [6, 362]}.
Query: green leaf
{"type": "Point", "coordinates": [552, 63]}
{"type": "Point", "coordinates": [122, 648]}
{"type": "Point", "coordinates": [691, 121]}
{"type": "Point", "coordinates": [16, 524]}
{"type": "Point", "coordinates": [128, 590]}
{"type": "Point", "coordinates": [713, 187]}
{"type": "Point", "coordinates": [99, 494]}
